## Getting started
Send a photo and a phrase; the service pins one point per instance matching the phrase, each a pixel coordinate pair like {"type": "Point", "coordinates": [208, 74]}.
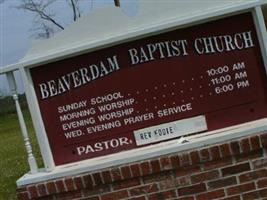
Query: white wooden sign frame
{"type": "Point", "coordinates": [256, 10]}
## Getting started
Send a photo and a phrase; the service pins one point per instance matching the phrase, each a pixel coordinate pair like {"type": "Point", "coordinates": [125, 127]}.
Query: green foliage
{"type": "Point", "coordinates": [7, 104]}
{"type": "Point", "coordinates": [13, 154]}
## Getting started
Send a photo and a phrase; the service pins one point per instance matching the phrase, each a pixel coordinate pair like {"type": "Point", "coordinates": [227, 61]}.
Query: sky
{"type": "Point", "coordinates": [16, 29]}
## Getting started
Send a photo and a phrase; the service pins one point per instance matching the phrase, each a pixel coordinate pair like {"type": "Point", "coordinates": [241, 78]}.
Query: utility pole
{"type": "Point", "coordinates": [117, 3]}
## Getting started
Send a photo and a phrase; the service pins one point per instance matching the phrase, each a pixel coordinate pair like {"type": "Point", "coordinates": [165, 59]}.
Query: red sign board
{"type": "Point", "coordinates": [96, 103]}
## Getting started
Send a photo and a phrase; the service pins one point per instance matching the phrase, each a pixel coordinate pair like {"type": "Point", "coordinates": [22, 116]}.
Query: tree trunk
{"type": "Point", "coordinates": [117, 3]}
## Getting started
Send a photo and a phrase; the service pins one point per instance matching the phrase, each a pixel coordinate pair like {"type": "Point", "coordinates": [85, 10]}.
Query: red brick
{"type": "Point", "coordinates": [241, 188]}
{"type": "Point", "coordinates": [163, 195]}
{"type": "Point", "coordinates": [158, 177]}
{"type": "Point", "coordinates": [21, 189]}
{"type": "Point", "coordinates": [106, 176]}
{"type": "Point", "coordinates": [211, 195]}
{"type": "Point", "coordinates": [68, 195]}
{"type": "Point", "coordinates": [194, 156]}
{"type": "Point", "coordinates": [263, 192]}
{"type": "Point", "coordinates": [222, 182]}
{"type": "Point", "coordinates": [92, 198]}
{"type": "Point", "coordinates": [51, 188]}
{"type": "Point", "coordinates": [116, 174]}
{"type": "Point", "coordinates": [145, 168]}
{"type": "Point", "coordinates": [50, 197]}
{"type": "Point", "coordinates": [260, 163]}
{"type": "Point", "coordinates": [235, 147]}
{"type": "Point", "coordinates": [184, 160]}
{"type": "Point", "coordinates": [235, 169]}
{"type": "Point", "coordinates": [249, 156]}
{"type": "Point", "coordinates": [41, 190]}
{"type": "Point", "coordinates": [255, 142]}
{"type": "Point", "coordinates": [225, 150]}
{"type": "Point", "coordinates": [155, 166]}
{"type": "Point", "coordinates": [205, 176]}
{"type": "Point", "coordinates": [262, 183]}
{"type": "Point", "coordinates": [217, 164]}
{"type": "Point", "coordinates": [187, 171]}
{"type": "Point", "coordinates": [88, 181]}
{"type": "Point", "coordinates": [135, 169]}
{"type": "Point", "coordinates": [215, 152]}
{"type": "Point", "coordinates": [245, 146]}
{"type": "Point", "coordinates": [194, 189]}
{"type": "Point", "coordinates": [171, 183]}
{"type": "Point", "coordinates": [126, 184]}
{"type": "Point", "coordinates": [97, 178]}
{"type": "Point", "coordinates": [78, 183]}
{"type": "Point", "coordinates": [232, 198]}
{"type": "Point", "coordinates": [187, 198]}
{"type": "Point", "coordinates": [204, 155]}
{"type": "Point", "coordinates": [184, 181]}
{"type": "Point", "coordinates": [175, 161]}
{"type": "Point", "coordinates": [168, 184]}
{"type": "Point", "coordinates": [165, 163]}
{"type": "Point", "coordinates": [253, 175]}
{"type": "Point", "coordinates": [60, 186]}
{"type": "Point", "coordinates": [23, 196]}
{"type": "Point", "coordinates": [126, 172]}
{"type": "Point", "coordinates": [100, 189]}
{"type": "Point", "coordinates": [144, 189]}
{"type": "Point", "coordinates": [138, 198]}
{"type": "Point", "coordinates": [69, 184]}
{"type": "Point", "coordinates": [33, 191]}
{"type": "Point", "coordinates": [259, 194]}
{"type": "Point", "coordinates": [115, 195]}
{"type": "Point", "coordinates": [264, 140]}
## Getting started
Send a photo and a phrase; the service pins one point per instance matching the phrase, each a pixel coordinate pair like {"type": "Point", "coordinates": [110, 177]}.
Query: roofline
{"type": "Point", "coordinates": [131, 35]}
{"type": "Point", "coordinates": [11, 67]}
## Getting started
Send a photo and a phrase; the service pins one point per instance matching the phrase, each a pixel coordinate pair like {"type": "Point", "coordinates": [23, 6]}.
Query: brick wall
{"type": "Point", "coordinates": [230, 171]}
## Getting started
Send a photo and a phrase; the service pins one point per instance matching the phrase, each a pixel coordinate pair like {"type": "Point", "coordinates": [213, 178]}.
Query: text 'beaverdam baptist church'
{"type": "Point", "coordinates": [150, 52]}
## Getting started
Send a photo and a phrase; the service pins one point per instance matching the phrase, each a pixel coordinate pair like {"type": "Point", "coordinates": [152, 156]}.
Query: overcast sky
{"type": "Point", "coordinates": [16, 35]}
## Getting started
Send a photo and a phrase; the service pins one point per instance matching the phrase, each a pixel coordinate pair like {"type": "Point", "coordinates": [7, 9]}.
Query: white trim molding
{"type": "Point", "coordinates": [161, 149]}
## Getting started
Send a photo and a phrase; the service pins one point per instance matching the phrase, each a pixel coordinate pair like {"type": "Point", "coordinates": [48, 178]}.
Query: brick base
{"type": "Point", "coordinates": [230, 171]}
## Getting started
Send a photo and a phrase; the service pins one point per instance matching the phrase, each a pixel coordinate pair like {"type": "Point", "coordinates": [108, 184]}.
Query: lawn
{"type": "Point", "coordinates": [13, 155]}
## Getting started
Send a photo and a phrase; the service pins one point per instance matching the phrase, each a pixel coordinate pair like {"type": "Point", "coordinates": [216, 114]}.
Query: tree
{"type": "Point", "coordinates": [46, 22]}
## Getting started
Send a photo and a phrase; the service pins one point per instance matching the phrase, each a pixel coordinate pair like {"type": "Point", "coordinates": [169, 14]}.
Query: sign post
{"type": "Point", "coordinates": [13, 88]}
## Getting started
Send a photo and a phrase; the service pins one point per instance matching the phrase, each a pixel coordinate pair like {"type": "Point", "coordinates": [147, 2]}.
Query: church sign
{"type": "Point", "coordinates": [186, 81]}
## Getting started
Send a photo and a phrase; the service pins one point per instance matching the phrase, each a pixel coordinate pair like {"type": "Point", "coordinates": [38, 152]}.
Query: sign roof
{"type": "Point", "coordinates": [108, 25]}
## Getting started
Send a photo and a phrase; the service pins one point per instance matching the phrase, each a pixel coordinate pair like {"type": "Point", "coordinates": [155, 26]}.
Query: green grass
{"type": "Point", "coordinates": [13, 157]}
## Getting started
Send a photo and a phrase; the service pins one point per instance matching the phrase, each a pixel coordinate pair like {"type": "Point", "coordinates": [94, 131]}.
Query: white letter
{"type": "Point", "coordinates": [94, 71]}
{"type": "Point", "coordinates": [134, 57]}
{"type": "Point", "coordinates": [80, 150]}
{"type": "Point", "coordinates": [196, 43]}
{"type": "Point", "coordinates": [52, 87]}
{"type": "Point", "coordinates": [44, 92]}
{"type": "Point", "coordinates": [113, 63]}
{"type": "Point", "coordinates": [238, 37]}
{"type": "Point", "coordinates": [184, 45]}
{"type": "Point", "coordinates": [248, 39]}
{"type": "Point", "coordinates": [76, 79]}
{"type": "Point", "coordinates": [151, 49]}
